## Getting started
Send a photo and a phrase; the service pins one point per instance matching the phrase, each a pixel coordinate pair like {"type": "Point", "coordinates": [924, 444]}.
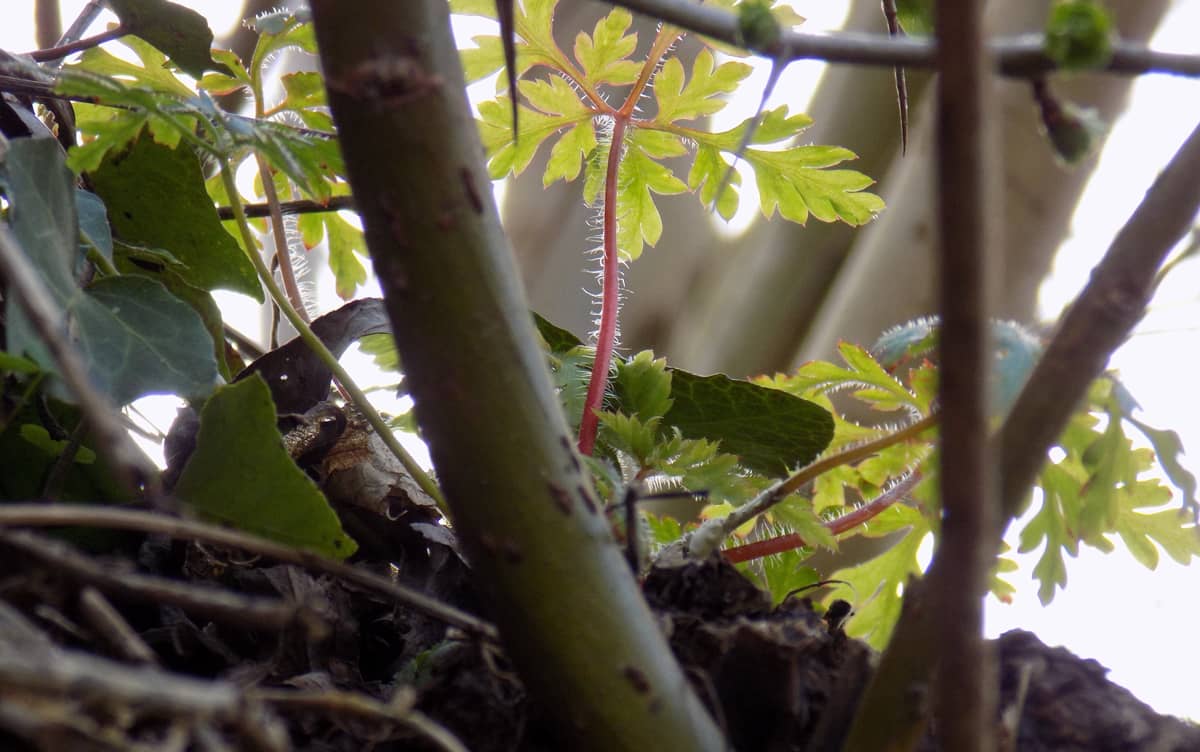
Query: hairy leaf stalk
{"type": "Point", "coordinates": [569, 611]}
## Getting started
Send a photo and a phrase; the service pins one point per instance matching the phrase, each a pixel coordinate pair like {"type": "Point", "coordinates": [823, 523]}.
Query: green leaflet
{"type": "Point", "coordinates": [135, 336]}
{"type": "Point", "coordinates": [181, 33]}
{"type": "Point", "coordinates": [563, 109]}
{"type": "Point", "coordinates": [150, 181]}
{"type": "Point", "coordinates": [769, 430]}
{"type": "Point", "coordinates": [241, 475]}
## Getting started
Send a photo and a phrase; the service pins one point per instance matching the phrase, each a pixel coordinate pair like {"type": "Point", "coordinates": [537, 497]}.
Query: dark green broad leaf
{"type": "Point", "coordinates": [93, 223]}
{"type": "Point", "coordinates": [156, 198]}
{"type": "Point", "coordinates": [240, 474]}
{"type": "Point", "coordinates": [167, 271]}
{"type": "Point", "coordinates": [559, 340]}
{"type": "Point", "coordinates": [769, 430]}
{"type": "Point", "coordinates": [180, 33]}
{"type": "Point", "coordinates": [140, 339]}
{"type": "Point", "coordinates": [135, 336]}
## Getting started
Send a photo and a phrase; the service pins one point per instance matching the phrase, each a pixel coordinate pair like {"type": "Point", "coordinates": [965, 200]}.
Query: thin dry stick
{"type": "Point", "coordinates": [339, 704]}
{"type": "Point", "coordinates": [1020, 56]}
{"type": "Point", "coordinates": [964, 690]}
{"type": "Point", "coordinates": [283, 255]}
{"type": "Point", "coordinates": [299, 206]}
{"type": "Point", "coordinates": [852, 519]}
{"type": "Point", "coordinates": [117, 633]}
{"type": "Point", "coordinates": [250, 612]}
{"type": "Point", "coordinates": [130, 466]}
{"type": "Point", "coordinates": [705, 539]}
{"type": "Point", "coordinates": [59, 515]}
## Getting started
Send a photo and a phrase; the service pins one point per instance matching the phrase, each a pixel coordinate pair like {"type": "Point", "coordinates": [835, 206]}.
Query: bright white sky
{"type": "Point", "coordinates": [1139, 624]}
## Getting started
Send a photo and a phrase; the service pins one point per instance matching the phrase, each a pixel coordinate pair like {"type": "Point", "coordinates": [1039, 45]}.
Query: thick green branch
{"type": "Point", "coordinates": [571, 615]}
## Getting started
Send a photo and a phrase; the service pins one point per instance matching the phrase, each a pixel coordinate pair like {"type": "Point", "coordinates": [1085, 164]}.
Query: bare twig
{"type": "Point", "coordinates": [130, 466]}
{"type": "Point", "coordinates": [860, 514]}
{"type": "Point", "coordinates": [894, 31]}
{"type": "Point", "coordinates": [339, 704]}
{"type": "Point", "coordinates": [283, 255]}
{"type": "Point", "coordinates": [87, 16]}
{"type": "Point", "coordinates": [706, 538]}
{"type": "Point", "coordinates": [304, 206]}
{"type": "Point", "coordinates": [250, 612]}
{"type": "Point", "coordinates": [59, 515]}
{"type": "Point", "coordinates": [108, 623]}
{"type": "Point", "coordinates": [1018, 56]}
{"type": "Point", "coordinates": [964, 692]}
{"type": "Point", "coordinates": [104, 682]}
{"type": "Point", "coordinates": [64, 50]}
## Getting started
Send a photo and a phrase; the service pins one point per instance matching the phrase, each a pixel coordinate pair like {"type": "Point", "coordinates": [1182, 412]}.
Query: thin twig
{"type": "Point", "coordinates": [60, 515]}
{"type": "Point", "coordinates": [965, 691]}
{"type": "Point", "coordinates": [87, 16]}
{"type": "Point", "coordinates": [303, 206]}
{"type": "Point", "coordinates": [894, 31]}
{"type": "Point", "coordinates": [339, 704]}
{"type": "Point", "coordinates": [130, 466]}
{"type": "Point", "coordinates": [705, 539]}
{"type": "Point", "coordinates": [1017, 56]}
{"type": "Point", "coordinates": [64, 50]}
{"type": "Point", "coordinates": [852, 519]}
{"type": "Point", "coordinates": [108, 623]}
{"type": "Point", "coordinates": [250, 612]}
{"type": "Point", "coordinates": [283, 255]}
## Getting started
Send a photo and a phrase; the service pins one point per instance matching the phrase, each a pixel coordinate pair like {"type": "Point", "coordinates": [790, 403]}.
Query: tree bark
{"type": "Point", "coordinates": [572, 616]}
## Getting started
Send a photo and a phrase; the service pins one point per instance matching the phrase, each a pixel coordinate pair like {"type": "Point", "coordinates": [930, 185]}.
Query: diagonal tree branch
{"type": "Point", "coordinates": [1097, 323]}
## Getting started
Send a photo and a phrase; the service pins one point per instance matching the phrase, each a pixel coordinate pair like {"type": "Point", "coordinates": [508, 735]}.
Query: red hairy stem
{"type": "Point", "coordinates": [846, 522]}
{"type": "Point", "coordinates": [607, 338]}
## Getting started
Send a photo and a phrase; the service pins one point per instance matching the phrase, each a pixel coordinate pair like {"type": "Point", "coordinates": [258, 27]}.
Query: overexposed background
{"type": "Point", "coordinates": [1139, 624]}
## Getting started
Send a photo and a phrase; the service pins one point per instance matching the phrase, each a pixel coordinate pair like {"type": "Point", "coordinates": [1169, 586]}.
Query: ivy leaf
{"type": "Point", "coordinates": [139, 339]}
{"type": "Point", "coordinates": [135, 336]}
{"type": "Point", "coordinates": [240, 474]}
{"type": "Point", "coordinates": [768, 429]}
{"type": "Point", "coordinates": [147, 182]}
{"type": "Point", "coordinates": [180, 32]}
